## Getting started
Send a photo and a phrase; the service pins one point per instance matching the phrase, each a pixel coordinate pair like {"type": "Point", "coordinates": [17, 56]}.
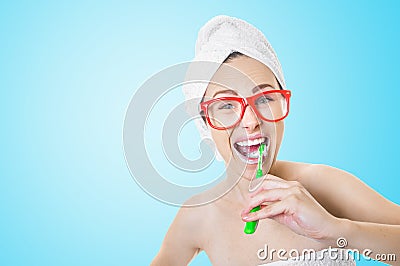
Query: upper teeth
{"type": "Point", "coordinates": [251, 142]}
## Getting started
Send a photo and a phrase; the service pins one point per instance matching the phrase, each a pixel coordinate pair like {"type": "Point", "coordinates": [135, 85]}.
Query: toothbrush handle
{"type": "Point", "coordinates": [250, 227]}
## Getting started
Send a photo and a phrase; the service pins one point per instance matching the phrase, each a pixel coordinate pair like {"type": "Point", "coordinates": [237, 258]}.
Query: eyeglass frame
{"type": "Point", "coordinates": [245, 102]}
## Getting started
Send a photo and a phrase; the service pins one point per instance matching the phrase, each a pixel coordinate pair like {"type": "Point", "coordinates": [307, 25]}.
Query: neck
{"type": "Point", "coordinates": [241, 189]}
{"type": "Point", "coordinates": [242, 182]}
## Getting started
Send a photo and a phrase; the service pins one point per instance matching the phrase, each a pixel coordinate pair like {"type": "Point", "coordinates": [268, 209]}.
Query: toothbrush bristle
{"type": "Point", "coordinates": [261, 149]}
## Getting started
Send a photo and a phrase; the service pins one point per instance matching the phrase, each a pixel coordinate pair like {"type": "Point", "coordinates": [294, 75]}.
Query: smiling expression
{"type": "Point", "coordinates": [239, 145]}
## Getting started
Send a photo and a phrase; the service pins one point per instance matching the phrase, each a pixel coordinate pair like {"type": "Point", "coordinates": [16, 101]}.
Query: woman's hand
{"type": "Point", "coordinates": [289, 203]}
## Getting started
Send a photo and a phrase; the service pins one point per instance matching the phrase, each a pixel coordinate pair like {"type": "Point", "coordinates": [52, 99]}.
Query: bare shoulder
{"type": "Point", "coordinates": [191, 215]}
{"type": "Point", "coordinates": [193, 209]}
{"type": "Point", "coordinates": [290, 171]}
{"type": "Point", "coordinates": [185, 235]}
{"type": "Point", "coordinates": [311, 174]}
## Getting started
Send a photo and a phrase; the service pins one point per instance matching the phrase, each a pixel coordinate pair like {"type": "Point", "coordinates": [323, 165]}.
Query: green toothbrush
{"type": "Point", "coordinates": [250, 227]}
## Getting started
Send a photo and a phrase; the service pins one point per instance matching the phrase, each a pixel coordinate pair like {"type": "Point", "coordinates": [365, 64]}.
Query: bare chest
{"type": "Point", "coordinates": [226, 244]}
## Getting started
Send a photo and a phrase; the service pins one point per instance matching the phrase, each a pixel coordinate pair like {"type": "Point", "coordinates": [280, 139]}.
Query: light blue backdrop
{"type": "Point", "coordinates": [68, 71]}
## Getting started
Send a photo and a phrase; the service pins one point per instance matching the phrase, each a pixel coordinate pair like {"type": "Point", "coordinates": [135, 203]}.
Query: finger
{"type": "Point", "coordinates": [274, 177]}
{"type": "Point", "coordinates": [269, 184]}
{"type": "Point", "coordinates": [255, 182]}
{"type": "Point", "coordinates": [276, 182]}
{"type": "Point", "coordinates": [267, 196]}
{"type": "Point", "coordinates": [273, 195]}
{"type": "Point", "coordinates": [247, 210]}
{"type": "Point", "coordinates": [286, 206]}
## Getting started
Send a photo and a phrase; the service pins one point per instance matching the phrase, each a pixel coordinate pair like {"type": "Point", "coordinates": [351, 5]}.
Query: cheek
{"type": "Point", "coordinates": [221, 140]}
{"type": "Point", "coordinates": [280, 128]}
{"type": "Point", "coordinates": [275, 130]}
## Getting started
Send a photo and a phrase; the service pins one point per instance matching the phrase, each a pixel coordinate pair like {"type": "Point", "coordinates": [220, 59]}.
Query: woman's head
{"type": "Point", "coordinates": [243, 77]}
{"type": "Point", "coordinates": [232, 44]}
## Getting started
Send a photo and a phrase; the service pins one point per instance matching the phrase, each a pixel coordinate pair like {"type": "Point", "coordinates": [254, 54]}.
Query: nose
{"type": "Point", "coordinates": [250, 120]}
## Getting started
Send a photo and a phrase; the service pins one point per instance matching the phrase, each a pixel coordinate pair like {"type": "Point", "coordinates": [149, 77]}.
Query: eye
{"type": "Point", "coordinates": [264, 99]}
{"type": "Point", "coordinates": [226, 106]}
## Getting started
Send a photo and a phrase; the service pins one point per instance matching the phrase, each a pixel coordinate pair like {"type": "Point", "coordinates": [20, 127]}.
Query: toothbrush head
{"type": "Point", "coordinates": [261, 148]}
{"type": "Point", "coordinates": [261, 153]}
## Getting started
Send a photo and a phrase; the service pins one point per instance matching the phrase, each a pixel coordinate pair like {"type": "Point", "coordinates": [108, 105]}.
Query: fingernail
{"type": "Point", "coordinates": [247, 217]}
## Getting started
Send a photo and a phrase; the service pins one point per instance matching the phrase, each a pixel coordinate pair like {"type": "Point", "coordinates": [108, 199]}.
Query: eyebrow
{"type": "Point", "coordinates": [225, 91]}
{"type": "Point", "coordinates": [261, 86]}
{"type": "Point", "coordinates": [254, 90]}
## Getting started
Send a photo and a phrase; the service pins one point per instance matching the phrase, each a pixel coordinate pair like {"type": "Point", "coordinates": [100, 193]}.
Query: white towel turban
{"type": "Point", "coordinates": [217, 39]}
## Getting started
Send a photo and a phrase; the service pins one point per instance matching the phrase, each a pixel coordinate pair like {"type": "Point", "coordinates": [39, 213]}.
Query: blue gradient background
{"type": "Point", "coordinates": [68, 71]}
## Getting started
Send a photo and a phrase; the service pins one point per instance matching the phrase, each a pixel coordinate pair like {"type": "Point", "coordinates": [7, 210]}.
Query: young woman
{"type": "Point", "coordinates": [303, 206]}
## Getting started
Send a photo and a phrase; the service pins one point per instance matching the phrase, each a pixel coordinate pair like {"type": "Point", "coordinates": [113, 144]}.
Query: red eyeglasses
{"type": "Point", "coordinates": [226, 112]}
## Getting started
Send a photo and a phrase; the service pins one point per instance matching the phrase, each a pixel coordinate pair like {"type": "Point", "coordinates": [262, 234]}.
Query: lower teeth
{"type": "Point", "coordinates": [253, 154]}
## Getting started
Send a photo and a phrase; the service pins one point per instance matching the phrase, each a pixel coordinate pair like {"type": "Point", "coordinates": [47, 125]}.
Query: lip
{"type": "Point", "coordinates": [250, 137]}
{"type": "Point", "coordinates": [245, 159]}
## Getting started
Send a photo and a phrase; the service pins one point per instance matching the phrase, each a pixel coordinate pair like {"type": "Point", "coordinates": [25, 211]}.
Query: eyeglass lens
{"type": "Point", "coordinates": [226, 113]}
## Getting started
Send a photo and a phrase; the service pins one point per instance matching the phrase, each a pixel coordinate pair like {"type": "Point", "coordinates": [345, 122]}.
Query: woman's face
{"type": "Point", "coordinates": [233, 143]}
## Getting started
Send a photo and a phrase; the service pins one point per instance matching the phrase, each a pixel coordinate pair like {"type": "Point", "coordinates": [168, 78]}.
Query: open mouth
{"type": "Point", "coordinates": [248, 150]}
